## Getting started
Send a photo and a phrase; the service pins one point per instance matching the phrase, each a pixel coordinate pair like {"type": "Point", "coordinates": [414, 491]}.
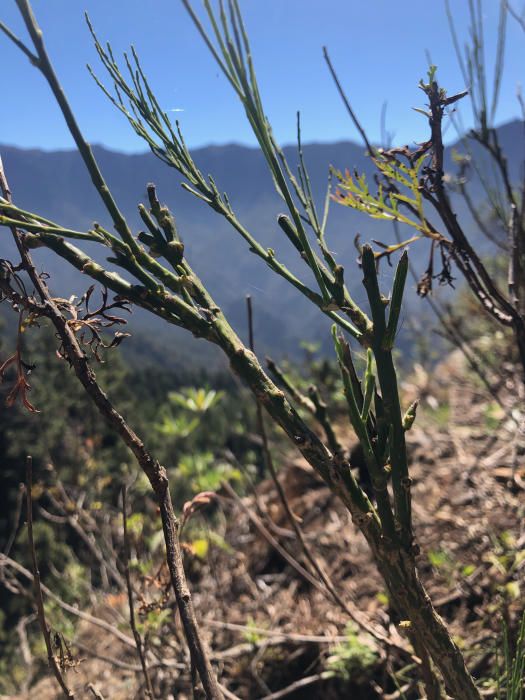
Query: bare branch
{"type": "Point", "coordinates": [46, 632]}
{"type": "Point", "coordinates": [138, 639]}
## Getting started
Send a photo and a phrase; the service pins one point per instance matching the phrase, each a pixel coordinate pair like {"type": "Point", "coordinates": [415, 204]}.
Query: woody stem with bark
{"type": "Point", "coordinates": [46, 632]}
{"type": "Point", "coordinates": [396, 565]}
{"type": "Point", "coordinates": [139, 643]}
{"type": "Point", "coordinates": [476, 274]}
{"type": "Point", "coordinates": [386, 529]}
{"type": "Point", "coordinates": [156, 473]}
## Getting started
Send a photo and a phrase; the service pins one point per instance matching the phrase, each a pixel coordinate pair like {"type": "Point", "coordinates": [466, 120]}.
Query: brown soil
{"type": "Point", "coordinates": [269, 628]}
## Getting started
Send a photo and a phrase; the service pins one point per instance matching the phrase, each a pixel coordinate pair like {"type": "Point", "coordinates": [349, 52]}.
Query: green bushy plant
{"type": "Point", "coordinates": [154, 273]}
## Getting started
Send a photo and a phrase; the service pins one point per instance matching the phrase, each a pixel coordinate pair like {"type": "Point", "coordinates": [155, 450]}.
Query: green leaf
{"type": "Point", "coordinates": [200, 547]}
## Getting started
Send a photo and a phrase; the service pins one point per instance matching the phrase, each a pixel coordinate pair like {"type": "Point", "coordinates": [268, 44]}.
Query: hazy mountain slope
{"type": "Point", "coordinates": [56, 185]}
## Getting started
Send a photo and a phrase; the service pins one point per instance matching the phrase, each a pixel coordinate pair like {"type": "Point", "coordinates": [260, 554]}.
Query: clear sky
{"type": "Point", "coordinates": [377, 46]}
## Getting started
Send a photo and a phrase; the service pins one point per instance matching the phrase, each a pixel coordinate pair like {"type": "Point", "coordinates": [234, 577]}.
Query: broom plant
{"type": "Point", "coordinates": [150, 269]}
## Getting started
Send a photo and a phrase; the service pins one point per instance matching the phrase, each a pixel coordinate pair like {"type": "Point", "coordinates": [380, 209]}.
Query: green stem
{"type": "Point", "coordinates": [169, 307]}
{"type": "Point", "coordinates": [398, 289]}
{"type": "Point", "coordinates": [378, 475]}
{"type": "Point", "coordinates": [46, 68]}
{"type": "Point", "coordinates": [390, 395]}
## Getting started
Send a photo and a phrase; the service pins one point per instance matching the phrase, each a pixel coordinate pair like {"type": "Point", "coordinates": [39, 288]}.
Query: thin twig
{"type": "Point", "coordinates": [46, 633]}
{"type": "Point", "coordinates": [74, 521]}
{"type": "Point", "coordinates": [454, 334]}
{"type": "Point", "coordinates": [136, 634]}
{"type": "Point", "coordinates": [466, 258]}
{"type": "Point", "coordinates": [228, 693]}
{"type": "Point", "coordinates": [346, 102]}
{"type": "Point", "coordinates": [96, 693]}
{"type": "Point", "coordinates": [98, 622]}
{"type": "Point", "coordinates": [520, 19]}
{"type": "Point", "coordinates": [297, 685]}
{"type": "Point", "coordinates": [271, 539]}
{"type": "Point", "coordinates": [155, 472]}
{"type": "Point", "coordinates": [285, 636]}
{"type": "Point", "coordinates": [313, 403]}
{"type": "Point", "coordinates": [111, 660]}
{"type": "Point", "coordinates": [313, 561]}
{"type": "Point", "coordinates": [304, 573]}
{"type": "Point", "coordinates": [16, 523]}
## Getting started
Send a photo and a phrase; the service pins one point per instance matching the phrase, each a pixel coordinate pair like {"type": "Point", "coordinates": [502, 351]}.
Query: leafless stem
{"type": "Point", "coordinates": [297, 685]}
{"type": "Point", "coordinates": [515, 270]}
{"type": "Point", "coordinates": [16, 522]}
{"type": "Point", "coordinates": [96, 693]}
{"type": "Point", "coordinates": [74, 521]}
{"type": "Point", "coordinates": [152, 468]}
{"type": "Point", "coordinates": [304, 573]}
{"type": "Point", "coordinates": [346, 102]}
{"type": "Point", "coordinates": [136, 634]}
{"type": "Point", "coordinates": [25, 649]}
{"type": "Point", "coordinates": [292, 518]}
{"type": "Point", "coordinates": [8, 562]}
{"type": "Point", "coordinates": [478, 278]}
{"type": "Point", "coordinates": [313, 403]}
{"type": "Point", "coordinates": [519, 18]}
{"type": "Point", "coordinates": [455, 336]}
{"type": "Point", "coordinates": [474, 212]}
{"type": "Point", "coordinates": [46, 633]}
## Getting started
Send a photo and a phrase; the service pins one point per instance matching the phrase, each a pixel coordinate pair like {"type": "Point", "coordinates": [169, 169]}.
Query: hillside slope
{"type": "Point", "coordinates": [56, 185]}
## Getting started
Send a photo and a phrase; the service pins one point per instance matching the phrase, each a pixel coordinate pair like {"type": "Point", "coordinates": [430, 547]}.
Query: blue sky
{"type": "Point", "coordinates": [377, 46]}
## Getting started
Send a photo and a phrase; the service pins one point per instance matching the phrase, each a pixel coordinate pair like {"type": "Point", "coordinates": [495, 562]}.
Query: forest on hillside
{"type": "Point", "coordinates": [183, 515]}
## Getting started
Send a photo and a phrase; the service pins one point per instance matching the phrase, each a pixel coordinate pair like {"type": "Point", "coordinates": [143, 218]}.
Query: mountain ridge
{"type": "Point", "coordinates": [56, 185]}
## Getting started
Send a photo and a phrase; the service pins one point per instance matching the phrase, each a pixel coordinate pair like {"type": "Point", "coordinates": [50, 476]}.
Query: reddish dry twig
{"type": "Point", "coordinates": [21, 387]}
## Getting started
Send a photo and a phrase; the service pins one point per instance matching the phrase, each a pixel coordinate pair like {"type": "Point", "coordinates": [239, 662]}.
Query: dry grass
{"type": "Point", "coordinates": [269, 627]}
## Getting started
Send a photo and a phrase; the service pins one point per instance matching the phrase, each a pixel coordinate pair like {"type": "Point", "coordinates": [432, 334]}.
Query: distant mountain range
{"type": "Point", "coordinates": [56, 185]}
